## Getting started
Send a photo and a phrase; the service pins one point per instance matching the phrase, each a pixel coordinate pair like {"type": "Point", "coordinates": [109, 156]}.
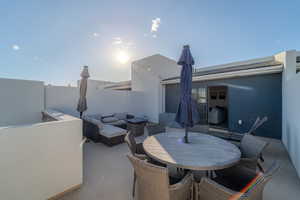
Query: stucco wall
{"type": "Point", "coordinates": [99, 101]}
{"type": "Point", "coordinates": [292, 134]}
{"type": "Point", "coordinates": [150, 85]}
{"type": "Point", "coordinates": [146, 75]}
{"type": "Point", "coordinates": [21, 101]}
{"type": "Point", "coordinates": [41, 160]}
{"type": "Point", "coordinates": [248, 98]}
{"type": "Point", "coordinates": [62, 98]}
{"type": "Point", "coordinates": [291, 106]}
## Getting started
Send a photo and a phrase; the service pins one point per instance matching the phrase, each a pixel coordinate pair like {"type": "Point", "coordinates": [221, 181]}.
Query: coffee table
{"type": "Point", "coordinates": [136, 126]}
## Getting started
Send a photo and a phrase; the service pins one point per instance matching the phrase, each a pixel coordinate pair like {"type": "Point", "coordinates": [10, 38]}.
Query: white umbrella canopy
{"type": "Point", "coordinates": [82, 103]}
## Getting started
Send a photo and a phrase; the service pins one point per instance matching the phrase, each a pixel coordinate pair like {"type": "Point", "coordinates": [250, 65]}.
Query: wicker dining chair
{"type": "Point", "coordinates": [243, 184]}
{"type": "Point", "coordinates": [251, 148]}
{"type": "Point", "coordinates": [153, 182]}
{"type": "Point", "coordinates": [135, 148]}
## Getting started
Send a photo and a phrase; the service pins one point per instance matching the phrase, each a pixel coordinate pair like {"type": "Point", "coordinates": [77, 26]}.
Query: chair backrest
{"type": "Point", "coordinates": [152, 180]}
{"type": "Point", "coordinates": [255, 189]}
{"type": "Point", "coordinates": [258, 123]}
{"type": "Point", "coordinates": [251, 146]}
{"type": "Point", "coordinates": [261, 122]}
{"type": "Point", "coordinates": [253, 127]}
{"type": "Point", "coordinates": [129, 139]}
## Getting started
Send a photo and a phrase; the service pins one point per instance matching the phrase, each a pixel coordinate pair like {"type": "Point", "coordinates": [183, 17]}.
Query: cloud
{"type": "Point", "coordinates": [96, 34]}
{"type": "Point", "coordinates": [15, 47]}
{"type": "Point", "coordinates": [117, 41]}
{"type": "Point", "coordinates": [155, 24]}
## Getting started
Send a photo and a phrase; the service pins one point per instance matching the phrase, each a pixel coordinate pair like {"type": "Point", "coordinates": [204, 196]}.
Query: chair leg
{"type": "Point", "coordinates": [133, 186]}
{"type": "Point", "coordinates": [262, 158]}
{"type": "Point", "coordinates": [260, 167]}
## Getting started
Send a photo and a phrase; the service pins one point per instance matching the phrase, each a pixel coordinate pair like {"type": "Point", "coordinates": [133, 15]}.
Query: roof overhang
{"type": "Point", "coordinates": [233, 74]}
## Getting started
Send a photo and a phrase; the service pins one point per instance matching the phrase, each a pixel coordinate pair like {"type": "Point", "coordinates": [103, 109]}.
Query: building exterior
{"type": "Point", "coordinates": [266, 86]}
{"type": "Point", "coordinates": [147, 75]}
{"type": "Point", "coordinates": [242, 97]}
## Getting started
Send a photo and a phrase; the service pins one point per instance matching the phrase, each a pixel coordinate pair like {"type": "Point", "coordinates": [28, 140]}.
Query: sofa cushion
{"type": "Point", "coordinates": [110, 131]}
{"type": "Point", "coordinates": [95, 116]}
{"type": "Point", "coordinates": [117, 123]}
{"type": "Point", "coordinates": [121, 116]}
{"type": "Point", "coordinates": [109, 119]}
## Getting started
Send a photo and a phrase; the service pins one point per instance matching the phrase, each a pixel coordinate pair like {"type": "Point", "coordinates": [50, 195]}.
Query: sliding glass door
{"type": "Point", "coordinates": [200, 96]}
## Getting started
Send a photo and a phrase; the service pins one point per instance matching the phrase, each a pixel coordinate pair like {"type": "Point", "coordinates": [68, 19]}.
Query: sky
{"type": "Point", "coordinates": [51, 40]}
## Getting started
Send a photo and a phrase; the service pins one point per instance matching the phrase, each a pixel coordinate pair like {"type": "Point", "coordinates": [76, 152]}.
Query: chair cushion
{"type": "Point", "coordinates": [110, 131]}
{"type": "Point", "coordinates": [121, 116]}
{"type": "Point", "coordinates": [109, 119]}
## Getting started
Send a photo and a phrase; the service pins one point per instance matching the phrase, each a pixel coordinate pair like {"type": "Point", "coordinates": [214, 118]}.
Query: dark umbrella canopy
{"type": "Point", "coordinates": [187, 114]}
{"type": "Point", "coordinates": [82, 105]}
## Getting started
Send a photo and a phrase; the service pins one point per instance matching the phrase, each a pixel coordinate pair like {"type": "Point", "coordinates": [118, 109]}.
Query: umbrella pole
{"type": "Point", "coordinates": [186, 140]}
{"type": "Point", "coordinates": [80, 115]}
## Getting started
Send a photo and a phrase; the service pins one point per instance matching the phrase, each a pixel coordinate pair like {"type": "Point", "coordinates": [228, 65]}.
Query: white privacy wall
{"type": "Point", "coordinates": [40, 160]}
{"type": "Point", "coordinates": [62, 98]}
{"type": "Point", "coordinates": [146, 76]}
{"type": "Point", "coordinates": [291, 106]}
{"type": "Point", "coordinates": [99, 101]}
{"type": "Point", "coordinates": [21, 101]}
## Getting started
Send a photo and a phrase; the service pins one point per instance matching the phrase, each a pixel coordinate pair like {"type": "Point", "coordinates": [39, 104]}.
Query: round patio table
{"type": "Point", "coordinates": [204, 152]}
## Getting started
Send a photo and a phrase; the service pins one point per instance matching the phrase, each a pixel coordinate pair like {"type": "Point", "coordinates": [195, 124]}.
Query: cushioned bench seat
{"type": "Point", "coordinates": [110, 131]}
{"type": "Point", "coordinates": [108, 134]}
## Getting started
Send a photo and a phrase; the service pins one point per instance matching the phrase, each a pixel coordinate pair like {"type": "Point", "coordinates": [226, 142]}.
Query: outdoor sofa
{"type": "Point", "coordinates": [109, 129]}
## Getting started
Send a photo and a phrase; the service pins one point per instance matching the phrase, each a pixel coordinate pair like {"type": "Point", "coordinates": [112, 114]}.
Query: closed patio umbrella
{"type": "Point", "coordinates": [187, 114]}
{"type": "Point", "coordinates": [82, 105]}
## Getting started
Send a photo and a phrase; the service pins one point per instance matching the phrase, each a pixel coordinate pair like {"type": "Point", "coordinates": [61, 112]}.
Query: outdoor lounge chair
{"type": "Point", "coordinates": [96, 131]}
{"type": "Point", "coordinates": [241, 184]}
{"type": "Point", "coordinates": [153, 182]}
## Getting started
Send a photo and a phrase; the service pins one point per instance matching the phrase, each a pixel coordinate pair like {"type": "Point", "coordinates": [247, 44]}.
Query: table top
{"type": "Point", "coordinates": [204, 152]}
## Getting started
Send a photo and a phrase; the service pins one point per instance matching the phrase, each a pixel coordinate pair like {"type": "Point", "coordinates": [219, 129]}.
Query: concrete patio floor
{"type": "Point", "coordinates": [108, 174]}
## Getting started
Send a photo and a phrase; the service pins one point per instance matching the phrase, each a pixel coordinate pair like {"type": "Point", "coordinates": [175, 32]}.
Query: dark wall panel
{"type": "Point", "coordinates": [248, 98]}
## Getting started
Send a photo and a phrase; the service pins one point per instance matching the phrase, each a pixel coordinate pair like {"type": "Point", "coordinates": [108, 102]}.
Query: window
{"type": "Point", "coordinates": [199, 95]}
{"type": "Point", "coordinates": [213, 95]}
{"type": "Point", "coordinates": [194, 94]}
{"type": "Point", "coordinates": [222, 95]}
